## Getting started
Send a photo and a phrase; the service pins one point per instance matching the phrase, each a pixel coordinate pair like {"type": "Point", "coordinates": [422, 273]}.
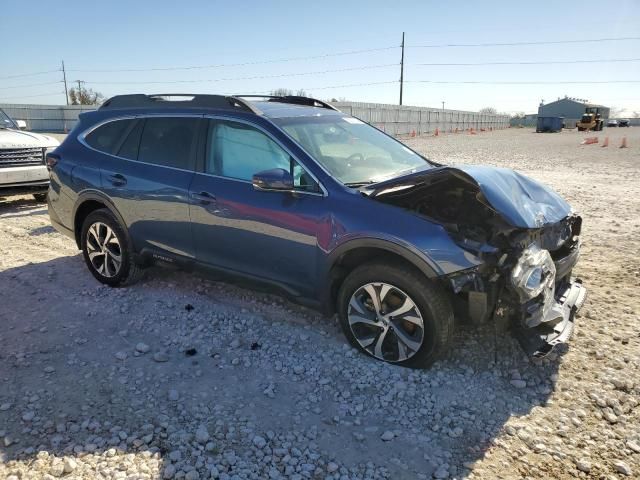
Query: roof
{"type": "Point", "coordinates": [263, 105]}
{"type": "Point", "coordinates": [573, 100]}
{"type": "Point", "coordinates": [274, 109]}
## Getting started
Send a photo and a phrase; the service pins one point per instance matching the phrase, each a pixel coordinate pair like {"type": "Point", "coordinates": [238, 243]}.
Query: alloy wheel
{"type": "Point", "coordinates": [386, 322]}
{"type": "Point", "coordinates": [103, 249]}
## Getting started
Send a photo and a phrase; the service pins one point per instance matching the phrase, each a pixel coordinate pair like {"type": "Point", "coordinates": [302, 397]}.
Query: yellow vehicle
{"type": "Point", "coordinates": [591, 120]}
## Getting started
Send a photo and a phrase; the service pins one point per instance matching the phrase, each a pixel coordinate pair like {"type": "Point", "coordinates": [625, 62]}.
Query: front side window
{"type": "Point", "coordinates": [236, 150]}
{"type": "Point", "coordinates": [169, 141]}
{"type": "Point", "coordinates": [106, 137]}
{"type": "Point", "coordinates": [351, 150]}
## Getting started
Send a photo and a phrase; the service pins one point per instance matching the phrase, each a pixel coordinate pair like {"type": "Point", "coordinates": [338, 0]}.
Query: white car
{"type": "Point", "coordinates": [22, 157]}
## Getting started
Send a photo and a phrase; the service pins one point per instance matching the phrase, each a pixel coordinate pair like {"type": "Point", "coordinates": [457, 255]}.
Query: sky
{"type": "Point", "coordinates": [331, 49]}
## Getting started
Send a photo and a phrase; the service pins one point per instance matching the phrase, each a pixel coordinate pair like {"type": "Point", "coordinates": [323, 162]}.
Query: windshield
{"type": "Point", "coordinates": [5, 121]}
{"type": "Point", "coordinates": [352, 151]}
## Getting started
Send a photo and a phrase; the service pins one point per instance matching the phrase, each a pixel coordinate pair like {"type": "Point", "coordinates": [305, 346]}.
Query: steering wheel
{"type": "Point", "coordinates": [356, 157]}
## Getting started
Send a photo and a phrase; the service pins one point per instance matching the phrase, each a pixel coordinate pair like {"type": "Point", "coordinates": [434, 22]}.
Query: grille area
{"type": "Point", "coordinates": [13, 157]}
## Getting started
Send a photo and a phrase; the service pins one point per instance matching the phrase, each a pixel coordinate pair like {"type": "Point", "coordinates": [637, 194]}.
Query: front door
{"type": "Point", "coordinates": [272, 235]}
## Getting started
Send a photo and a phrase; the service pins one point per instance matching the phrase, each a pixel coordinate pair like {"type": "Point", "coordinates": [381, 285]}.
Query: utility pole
{"type": "Point", "coordinates": [443, 106]}
{"type": "Point", "coordinates": [402, 68]}
{"type": "Point", "coordinates": [64, 78]}
{"type": "Point", "coordinates": [79, 94]}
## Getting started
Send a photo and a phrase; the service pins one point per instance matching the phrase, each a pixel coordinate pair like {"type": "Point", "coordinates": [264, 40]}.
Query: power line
{"type": "Point", "coordinates": [517, 44]}
{"type": "Point", "coordinates": [352, 85]}
{"type": "Point", "coordinates": [29, 74]}
{"type": "Point", "coordinates": [32, 96]}
{"type": "Point", "coordinates": [318, 88]}
{"type": "Point", "coordinates": [542, 62]}
{"type": "Point", "coordinates": [473, 82]}
{"type": "Point", "coordinates": [219, 65]}
{"type": "Point", "coordinates": [253, 77]}
{"type": "Point", "coordinates": [29, 85]}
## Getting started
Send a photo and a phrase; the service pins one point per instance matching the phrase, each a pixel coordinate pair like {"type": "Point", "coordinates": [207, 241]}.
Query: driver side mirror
{"type": "Point", "coordinates": [274, 180]}
{"type": "Point", "coordinates": [22, 125]}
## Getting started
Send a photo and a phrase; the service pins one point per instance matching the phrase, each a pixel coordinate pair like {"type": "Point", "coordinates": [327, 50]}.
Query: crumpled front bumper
{"type": "Point", "coordinates": [540, 340]}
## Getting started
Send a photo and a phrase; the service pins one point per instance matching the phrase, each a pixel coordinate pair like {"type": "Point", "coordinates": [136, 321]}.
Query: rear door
{"type": "Point", "coordinates": [148, 179]}
{"type": "Point", "coordinates": [272, 235]}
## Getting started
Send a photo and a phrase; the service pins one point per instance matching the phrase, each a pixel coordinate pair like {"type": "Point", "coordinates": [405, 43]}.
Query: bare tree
{"type": "Point", "coordinates": [285, 92]}
{"type": "Point", "coordinates": [85, 96]}
{"type": "Point", "coordinates": [488, 111]}
{"type": "Point", "coordinates": [636, 114]}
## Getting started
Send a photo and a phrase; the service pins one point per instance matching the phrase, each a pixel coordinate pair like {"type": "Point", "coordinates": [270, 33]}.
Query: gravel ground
{"type": "Point", "coordinates": [186, 377]}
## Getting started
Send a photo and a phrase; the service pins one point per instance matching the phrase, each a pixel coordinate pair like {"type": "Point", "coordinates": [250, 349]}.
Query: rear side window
{"type": "Point", "coordinates": [129, 148]}
{"type": "Point", "coordinates": [169, 141]}
{"type": "Point", "coordinates": [107, 137]}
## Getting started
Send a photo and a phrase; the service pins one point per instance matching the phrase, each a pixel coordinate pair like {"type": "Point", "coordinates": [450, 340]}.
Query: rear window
{"type": "Point", "coordinates": [107, 137]}
{"type": "Point", "coordinates": [169, 142]}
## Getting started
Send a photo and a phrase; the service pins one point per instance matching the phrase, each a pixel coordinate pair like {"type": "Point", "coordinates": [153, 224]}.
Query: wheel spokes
{"type": "Point", "coordinates": [407, 306]}
{"type": "Point", "coordinates": [402, 336]}
{"type": "Point", "coordinates": [375, 298]}
{"type": "Point", "coordinates": [103, 249]}
{"type": "Point", "coordinates": [377, 308]}
{"type": "Point", "coordinates": [378, 348]}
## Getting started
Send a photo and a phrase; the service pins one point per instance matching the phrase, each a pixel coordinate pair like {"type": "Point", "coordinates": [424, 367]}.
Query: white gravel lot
{"type": "Point", "coordinates": [185, 377]}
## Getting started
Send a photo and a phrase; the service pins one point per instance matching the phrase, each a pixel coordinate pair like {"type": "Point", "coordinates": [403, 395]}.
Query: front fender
{"type": "Point", "coordinates": [391, 244]}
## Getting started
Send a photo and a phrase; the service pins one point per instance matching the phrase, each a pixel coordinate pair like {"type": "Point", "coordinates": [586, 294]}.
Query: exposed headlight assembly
{"type": "Point", "coordinates": [534, 273]}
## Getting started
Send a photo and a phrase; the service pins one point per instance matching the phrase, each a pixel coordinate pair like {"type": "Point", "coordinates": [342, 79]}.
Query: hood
{"type": "Point", "coordinates": [519, 200]}
{"type": "Point", "coordinates": [10, 138]}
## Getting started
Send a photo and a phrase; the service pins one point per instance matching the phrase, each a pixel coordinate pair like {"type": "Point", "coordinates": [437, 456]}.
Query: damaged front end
{"type": "Point", "coordinates": [526, 236]}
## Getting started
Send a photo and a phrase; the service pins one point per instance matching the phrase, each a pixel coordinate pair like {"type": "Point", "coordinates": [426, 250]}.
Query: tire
{"type": "Point", "coordinates": [40, 197]}
{"type": "Point", "coordinates": [390, 282]}
{"type": "Point", "coordinates": [104, 266]}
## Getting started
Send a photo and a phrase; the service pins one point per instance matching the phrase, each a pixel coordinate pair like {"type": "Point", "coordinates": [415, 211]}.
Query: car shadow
{"type": "Point", "coordinates": [45, 230]}
{"type": "Point", "coordinates": [75, 386]}
{"type": "Point", "coordinates": [20, 207]}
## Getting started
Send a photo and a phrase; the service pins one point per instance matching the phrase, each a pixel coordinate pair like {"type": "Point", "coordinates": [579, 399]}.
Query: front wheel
{"type": "Point", "coordinates": [40, 197]}
{"type": "Point", "coordinates": [395, 314]}
{"type": "Point", "coordinates": [106, 250]}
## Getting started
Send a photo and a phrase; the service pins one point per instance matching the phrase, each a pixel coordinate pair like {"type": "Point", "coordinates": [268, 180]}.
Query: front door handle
{"type": "Point", "coordinates": [204, 198]}
{"type": "Point", "coordinates": [117, 180]}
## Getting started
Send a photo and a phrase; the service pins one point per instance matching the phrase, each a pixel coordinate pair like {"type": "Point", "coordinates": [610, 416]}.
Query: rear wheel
{"type": "Point", "coordinates": [395, 314]}
{"type": "Point", "coordinates": [107, 251]}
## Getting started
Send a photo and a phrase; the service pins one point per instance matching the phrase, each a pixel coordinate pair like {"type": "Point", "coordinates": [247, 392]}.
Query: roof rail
{"type": "Point", "coordinates": [295, 99]}
{"type": "Point", "coordinates": [190, 100]}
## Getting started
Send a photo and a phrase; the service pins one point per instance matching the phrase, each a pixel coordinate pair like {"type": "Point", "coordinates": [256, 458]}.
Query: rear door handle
{"type": "Point", "coordinates": [204, 198]}
{"type": "Point", "coordinates": [117, 180]}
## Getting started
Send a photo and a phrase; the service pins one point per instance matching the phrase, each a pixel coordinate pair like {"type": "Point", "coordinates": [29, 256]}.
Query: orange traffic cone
{"type": "Point", "coordinates": [437, 132]}
{"type": "Point", "coordinates": [589, 141]}
{"type": "Point", "coordinates": [606, 142]}
{"type": "Point", "coordinates": [624, 142]}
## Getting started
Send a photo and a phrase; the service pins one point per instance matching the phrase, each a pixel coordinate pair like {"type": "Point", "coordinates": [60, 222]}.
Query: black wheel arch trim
{"type": "Point", "coordinates": [94, 195]}
{"type": "Point", "coordinates": [419, 260]}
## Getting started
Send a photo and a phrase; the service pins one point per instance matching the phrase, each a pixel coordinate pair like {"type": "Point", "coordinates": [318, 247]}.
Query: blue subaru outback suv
{"type": "Point", "coordinates": [290, 192]}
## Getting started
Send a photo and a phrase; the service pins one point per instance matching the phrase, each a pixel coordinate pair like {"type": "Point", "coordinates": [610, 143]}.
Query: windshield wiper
{"type": "Point", "coordinates": [359, 184]}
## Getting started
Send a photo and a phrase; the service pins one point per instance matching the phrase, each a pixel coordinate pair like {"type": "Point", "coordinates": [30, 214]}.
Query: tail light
{"type": "Point", "coordinates": [51, 159]}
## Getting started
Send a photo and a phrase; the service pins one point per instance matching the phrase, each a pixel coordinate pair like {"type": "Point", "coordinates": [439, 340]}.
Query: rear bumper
{"type": "Point", "coordinates": [540, 340]}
